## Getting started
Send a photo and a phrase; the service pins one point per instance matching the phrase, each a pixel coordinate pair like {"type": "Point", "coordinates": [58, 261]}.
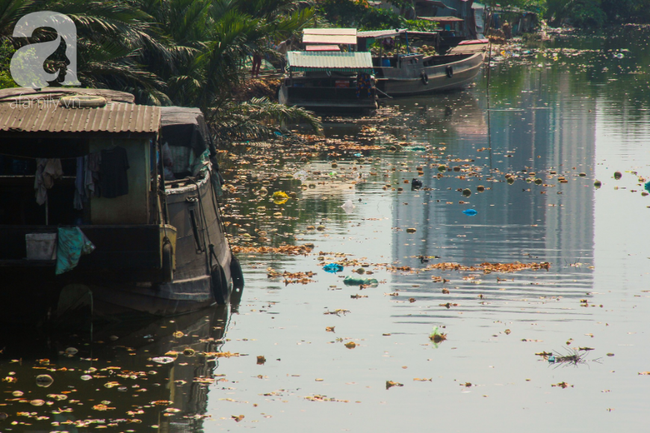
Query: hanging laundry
{"type": "Point", "coordinates": [72, 244]}
{"type": "Point", "coordinates": [47, 171]}
{"type": "Point", "coordinates": [80, 184]}
{"type": "Point", "coordinates": [93, 162]}
{"type": "Point", "coordinates": [114, 181]}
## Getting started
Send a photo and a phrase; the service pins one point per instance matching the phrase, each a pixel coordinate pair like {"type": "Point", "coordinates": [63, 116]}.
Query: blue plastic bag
{"type": "Point", "coordinates": [333, 268]}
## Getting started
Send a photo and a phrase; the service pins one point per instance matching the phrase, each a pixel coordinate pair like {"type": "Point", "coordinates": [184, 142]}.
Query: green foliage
{"type": "Point", "coordinates": [597, 13]}
{"type": "Point", "coordinates": [255, 119]}
{"type": "Point", "coordinates": [181, 52]}
{"type": "Point", "coordinates": [351, 13]}
{"type": "Point", "coordinates": [6, 51]}
{"type": "Point", "coordinates": [421, 25]}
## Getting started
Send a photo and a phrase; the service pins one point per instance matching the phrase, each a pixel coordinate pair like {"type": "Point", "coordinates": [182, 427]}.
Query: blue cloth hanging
{"type": "Point", "coordinates": [72, 243]}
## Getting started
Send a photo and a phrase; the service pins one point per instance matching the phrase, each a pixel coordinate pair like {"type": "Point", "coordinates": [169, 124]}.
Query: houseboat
{"type": "Point", "coordinates": [329, 80]}
{"type": "Point", "coordinates": [108, 202]}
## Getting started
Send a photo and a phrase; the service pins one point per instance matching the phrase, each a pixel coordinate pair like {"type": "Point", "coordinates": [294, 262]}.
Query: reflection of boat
{"type": "Point", "coordinates": [155, 373]}
{"type": "Point", "coordinates": [159, 246]}
{"type": "Point", "coordinates": [413, 74]}
{"type": "Point", "coordinates": [320, 80]}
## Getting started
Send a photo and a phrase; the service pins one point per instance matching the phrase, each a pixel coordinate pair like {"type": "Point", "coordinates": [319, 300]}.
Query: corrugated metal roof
{"type": "Point", "coordinates": [50, 93]}
{"type": "Point", "coordinates": [329, 36]}
{"type": "Point", "coordinates": [310, 61]}
{"type": "Point", "coordinates": [49, 116]}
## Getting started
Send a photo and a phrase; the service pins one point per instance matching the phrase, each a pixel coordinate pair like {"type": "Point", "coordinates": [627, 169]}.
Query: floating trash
{"type": "Point", "coordinates": [37, 402]}
{"type": "Point", "coordinates": [470, 212]}
{"type": "Point", "coordinates": [436, 336]}
{"type": "Point", "coordinates": [333, 268]}
{"type": "Point", "coordinates": [300, 175]}
{"type": "Point", "coordinates": [71, 351]}
{"type": "Point", "coordinates": [356, 281]}
{"type": "Point", "coordinates": [44, 380]}
{"type": "Point", "coordinates": [163, 359]}
{"type": "Point", "coordinates": [348, 206]}
{"type": "Point", "coordinates": [86, 377]}
{"type": "Point", "coordinates": [280, 197]}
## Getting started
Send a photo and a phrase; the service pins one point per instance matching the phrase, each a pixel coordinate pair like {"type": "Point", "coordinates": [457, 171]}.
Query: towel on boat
{"type": "Point", "coordinates": [72, 244]}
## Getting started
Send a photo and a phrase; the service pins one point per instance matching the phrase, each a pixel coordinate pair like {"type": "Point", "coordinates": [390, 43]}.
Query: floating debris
{"type": "Point", "coordinates": [291, 250]}
{"type": "Point", "coordinates": [44, 380]}
{"type": "Point", "coordinates": [390, 384]}
{"type": "Point", "coordinates": [436, 336]}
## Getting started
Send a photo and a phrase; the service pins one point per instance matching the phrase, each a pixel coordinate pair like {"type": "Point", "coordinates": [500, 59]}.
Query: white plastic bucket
{"type": "Point", "coordinates": [41, 246]}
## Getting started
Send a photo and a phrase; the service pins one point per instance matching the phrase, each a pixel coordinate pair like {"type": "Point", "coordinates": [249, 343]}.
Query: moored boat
{"type": "Point", "coordinates": [98, 164]}
{"type": "Point", "coordinates": [411, 73]}
{"type": "Point", "coordinates": [329, 80]}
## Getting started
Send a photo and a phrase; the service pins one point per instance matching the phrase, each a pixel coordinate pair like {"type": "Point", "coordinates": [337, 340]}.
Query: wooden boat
{"type": "Point", "coordinates": [159, 245]}
{"type": "Point", "coordinates": [416, 74]}
{"type": "Point", "coordinates": [324, 81]}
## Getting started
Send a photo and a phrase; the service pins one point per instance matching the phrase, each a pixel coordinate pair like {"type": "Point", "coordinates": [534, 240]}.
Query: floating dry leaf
{"type": "Point", "coordinates": [337, 312]}
{"type": "Point", "coordinates": [291, 250]}
{"type": "Point", "coordinates": [390, 384]}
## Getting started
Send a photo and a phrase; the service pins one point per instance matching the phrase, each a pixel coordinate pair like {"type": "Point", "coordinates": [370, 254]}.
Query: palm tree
{"type": "Point", "coordinates": [182, 52]}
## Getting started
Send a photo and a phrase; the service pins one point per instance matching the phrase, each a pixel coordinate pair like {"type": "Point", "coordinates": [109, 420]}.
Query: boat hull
{"type": "Point", "coordinates": [429, 75]}
{"type": "Point", "coordinates": [303, 93]}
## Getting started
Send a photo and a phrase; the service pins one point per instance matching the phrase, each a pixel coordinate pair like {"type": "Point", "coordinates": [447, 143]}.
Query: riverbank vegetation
{"type": "Point", "coordinates": [171, 52]}
{"type": "Point", "coordinates": [582, 13]}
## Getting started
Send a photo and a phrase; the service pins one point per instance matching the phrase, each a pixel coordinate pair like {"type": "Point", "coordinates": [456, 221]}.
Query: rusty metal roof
{"type": "Point", "coordinates": [442, 19]}
{"type": "Point", "coordinates": [320, 60]}
{"type": "Point", "coordinates": [50, 115]}
{"type": "Point", "coordinates": [379, 34]}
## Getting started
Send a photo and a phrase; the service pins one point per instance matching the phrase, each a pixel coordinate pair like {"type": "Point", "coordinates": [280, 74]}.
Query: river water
{"type": "Point", "coordinates": [550, 267]}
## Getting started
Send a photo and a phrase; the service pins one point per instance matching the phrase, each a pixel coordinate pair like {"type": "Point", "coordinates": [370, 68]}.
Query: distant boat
{"type": "Point", "coordinates": [158, 246]}
{"type": "Point", "coordinates": [416, 74]}
{"type": "Point", "coordinates": [329, 80]}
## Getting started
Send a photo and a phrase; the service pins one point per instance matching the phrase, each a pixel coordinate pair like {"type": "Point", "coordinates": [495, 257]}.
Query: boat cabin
{"type": "Point", "coordinates": [322, 80]}
{"type": "Point", "coordinates": [131, 185]}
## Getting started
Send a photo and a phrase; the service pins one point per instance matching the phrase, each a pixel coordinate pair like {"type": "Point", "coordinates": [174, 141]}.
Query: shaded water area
{"type": "Point", "coordinates": [550, 267]}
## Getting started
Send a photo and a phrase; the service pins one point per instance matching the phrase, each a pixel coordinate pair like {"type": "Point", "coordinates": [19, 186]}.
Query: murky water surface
{"type": "Point", "coordinates": [307, 352]}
